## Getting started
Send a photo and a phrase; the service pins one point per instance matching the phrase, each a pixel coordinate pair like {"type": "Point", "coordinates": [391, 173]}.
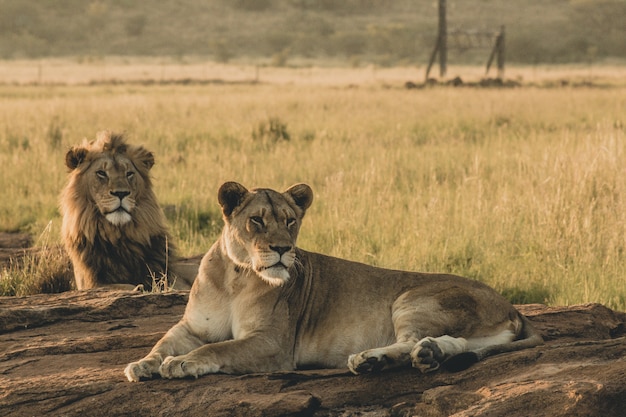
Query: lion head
{"type": "Point", "coordinates": [113, 227]}
{"type": "Point", "coordinates": [261, 227]}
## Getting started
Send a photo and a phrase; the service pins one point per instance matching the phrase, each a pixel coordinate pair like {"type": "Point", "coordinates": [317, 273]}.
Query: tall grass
{"type": "Point", "coordinates": [523, 189]}
{"type": "Point", "coordinates": [46, 269]}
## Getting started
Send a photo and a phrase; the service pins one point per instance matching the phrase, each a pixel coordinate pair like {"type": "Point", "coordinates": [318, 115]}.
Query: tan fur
{"type": "Point", "coordinates": [113, 228]}
{"type": "Point", "coordinates": [260, 304]}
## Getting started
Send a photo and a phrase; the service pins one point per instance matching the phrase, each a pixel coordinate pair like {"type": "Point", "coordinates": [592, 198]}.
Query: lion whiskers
{"type": "Point", "coordinates": [273, 268]}
{"type": "Point", "coordinates": [265, 259]}
{"type": "Point", "coordinates": [117, 211]}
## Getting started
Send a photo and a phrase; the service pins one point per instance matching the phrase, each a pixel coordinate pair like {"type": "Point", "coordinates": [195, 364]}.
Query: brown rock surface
{"type": "Point", "coordinates": [64, 354]}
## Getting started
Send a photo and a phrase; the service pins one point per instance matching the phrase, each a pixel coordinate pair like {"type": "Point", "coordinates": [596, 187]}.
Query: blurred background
{"type": "Point", "coordinates": [522, 188]}
{"type": "Point", "coordinates": [284, 32]}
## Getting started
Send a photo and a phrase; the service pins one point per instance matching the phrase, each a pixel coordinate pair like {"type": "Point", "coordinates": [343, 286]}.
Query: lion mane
{"type": "Point", "coordinates": [113, 228]}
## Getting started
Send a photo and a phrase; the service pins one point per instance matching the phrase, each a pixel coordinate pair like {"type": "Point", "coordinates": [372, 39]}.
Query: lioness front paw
{"type": "Point", "coordinates": [427, 356]}
{"type": "Point", "coordinates": [181, 367]}
{"type": "Point", "coordinates": [137, 370]}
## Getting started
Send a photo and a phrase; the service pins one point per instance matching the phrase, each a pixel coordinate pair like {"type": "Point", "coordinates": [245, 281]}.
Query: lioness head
{"type": "Point", "coordinates": [111, 175]}
{"type": "Point", "coordinates": [261, 227]}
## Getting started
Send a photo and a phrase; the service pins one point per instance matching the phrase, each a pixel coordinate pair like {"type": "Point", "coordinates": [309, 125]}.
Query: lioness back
{"type": "Point", "coordinates": [260, 304]}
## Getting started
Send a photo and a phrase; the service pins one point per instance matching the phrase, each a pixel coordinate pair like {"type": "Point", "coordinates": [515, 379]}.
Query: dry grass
{"type": "Point", "coordinates": [125, 70]}
{"type": "Point", "coordinates": [520, 188]}
{"type": "Point", "coordinates": [45, 270]}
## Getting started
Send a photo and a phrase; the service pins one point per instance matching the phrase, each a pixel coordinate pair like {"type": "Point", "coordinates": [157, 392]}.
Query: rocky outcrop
{"type": "Point", "coordinates": [64, 354]}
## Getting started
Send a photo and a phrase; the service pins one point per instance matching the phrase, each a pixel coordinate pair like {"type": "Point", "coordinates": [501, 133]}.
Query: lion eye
{"type": "Point", "coordinates": [130, 174]}
{"type": "Point", "coordinates": [290, 222]}
{"type": "Point", "coordinates": [258, 220]}
{"type": "Point", "coordinates": [101, 174]}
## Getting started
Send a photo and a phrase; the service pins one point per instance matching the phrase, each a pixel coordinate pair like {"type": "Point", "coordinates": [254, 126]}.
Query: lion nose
{"type": "Point", "coordinates": [120, 194]}
{"type": "Point", "coordinates": [280, 249]}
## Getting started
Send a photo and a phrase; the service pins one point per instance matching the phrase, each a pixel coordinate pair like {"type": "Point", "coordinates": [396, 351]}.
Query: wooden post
{"type": "Point", "coordinates": [498, 53]}
{"type": "Point", "coordinates": [432, 59]}
{"type": "Point", "coordinates": [501, 54]}
{"type": "Point", "coordinates": [442, 39]}
{"type": "Point", "coordinates": [441, 46]}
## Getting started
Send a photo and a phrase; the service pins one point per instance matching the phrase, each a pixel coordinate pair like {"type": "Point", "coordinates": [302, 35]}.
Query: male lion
{"type": "Point", "coordinates": [260, 304]}
{"type": "Point", "coordinates": [113, 228]}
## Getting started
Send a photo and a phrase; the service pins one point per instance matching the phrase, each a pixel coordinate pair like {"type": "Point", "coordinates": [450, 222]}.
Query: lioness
{"type": "Point", "coordinates": [260, 304]}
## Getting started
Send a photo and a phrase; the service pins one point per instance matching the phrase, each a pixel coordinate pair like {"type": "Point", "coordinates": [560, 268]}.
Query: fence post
{"type": "Point", "coordinates": [498, 53]}
{"type": "Point", "coordinates": [432, 58]}
{"type": "Point", "coordinates": [441, 46]}
{"type": "Point", "coordinates": [501, 53]}
{"type": "Point", "coordinates": [443, 39]}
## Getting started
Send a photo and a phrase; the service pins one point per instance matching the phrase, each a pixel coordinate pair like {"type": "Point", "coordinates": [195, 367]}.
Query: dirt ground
{"type": "Point", "coordinates": [64, 354]}
{"type": "Point", "coordinates": [13, 245]}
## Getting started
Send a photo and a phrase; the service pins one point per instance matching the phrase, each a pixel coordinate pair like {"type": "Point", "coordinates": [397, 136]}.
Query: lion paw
{"type": "Point", "coordinates": [137, 370]}
{"type": "Point", "coordinates": [173, 367]}
{"type": "Point", "coordinates": [181, 367]}
{"type": "Point", "coordinates": [427, 356]}
{"type": "Point", "coordinates": [365, 362]}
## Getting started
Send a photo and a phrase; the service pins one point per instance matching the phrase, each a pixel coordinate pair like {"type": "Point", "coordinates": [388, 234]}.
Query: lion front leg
{"type": "Point", "coordinates": [177, 341]}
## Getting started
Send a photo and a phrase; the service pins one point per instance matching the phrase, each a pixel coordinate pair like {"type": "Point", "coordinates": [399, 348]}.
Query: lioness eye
{"type": "Point", "coordinates": [101, 174]}
{"type": "Point", "coordinates": [257, 220]}
{"type": "Point", "coordinates": [130, 174]}
{"type": "Point", "coordinates": [291, 222]}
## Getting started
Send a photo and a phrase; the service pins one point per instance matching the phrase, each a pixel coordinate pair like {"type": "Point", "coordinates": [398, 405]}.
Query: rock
{"type": "Point", "coordinates": [64, 354]}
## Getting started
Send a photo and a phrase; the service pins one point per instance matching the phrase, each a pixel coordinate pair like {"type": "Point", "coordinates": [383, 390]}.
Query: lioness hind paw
{"type": "Point", "coordinates": [361, 364]}
{"type": "Point", "coordinates": [371, 365]}
{"type": "Point", "coordinates": [426, 365]}
{"type": "Point", "coordinates": [427, 356]}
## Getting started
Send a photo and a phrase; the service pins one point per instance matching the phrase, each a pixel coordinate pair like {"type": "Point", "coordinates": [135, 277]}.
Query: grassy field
{"type": "Point", "coordinates": [521, 188]}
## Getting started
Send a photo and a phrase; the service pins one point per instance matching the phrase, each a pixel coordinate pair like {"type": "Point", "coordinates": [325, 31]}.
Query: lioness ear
{"type": "Point", "coordinates": [74, 157]}
{"type": "Point", "coordinates": [230, 196]}
{"type": "Point", "coordinates": [302, 195]}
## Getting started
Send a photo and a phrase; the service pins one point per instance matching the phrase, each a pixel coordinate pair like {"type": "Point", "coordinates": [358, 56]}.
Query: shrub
{"type": "Point", "coordinates": [272, 130]}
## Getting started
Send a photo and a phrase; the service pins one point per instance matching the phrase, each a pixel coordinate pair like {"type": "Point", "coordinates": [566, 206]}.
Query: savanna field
{"type": "Point", "coordinates": [522, 188]}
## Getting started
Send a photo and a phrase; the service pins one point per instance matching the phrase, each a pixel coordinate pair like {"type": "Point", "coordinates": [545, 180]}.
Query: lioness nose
{"type": "Point", "coordinates": [120, 194]}
{"type": "Point", "coordinates": [280, 249]}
